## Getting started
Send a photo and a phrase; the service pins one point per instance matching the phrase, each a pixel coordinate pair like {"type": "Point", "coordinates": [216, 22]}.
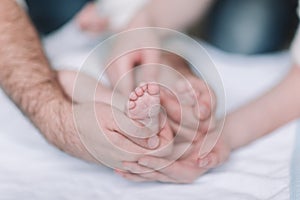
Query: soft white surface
{"type": "Point", "coordinates": [32, 169]}
{"type": "Point", "coordinates": [296, 43]}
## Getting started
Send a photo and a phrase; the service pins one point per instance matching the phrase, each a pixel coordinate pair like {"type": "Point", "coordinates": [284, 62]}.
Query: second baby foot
{"type": "Point", "coordinates": [193, 91]}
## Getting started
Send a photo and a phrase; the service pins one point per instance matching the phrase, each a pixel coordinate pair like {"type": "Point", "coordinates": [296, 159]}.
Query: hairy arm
{"type": "Point", "coordinates": [28, 80]}
{"type": "Point", "coordinates": [274, 109]}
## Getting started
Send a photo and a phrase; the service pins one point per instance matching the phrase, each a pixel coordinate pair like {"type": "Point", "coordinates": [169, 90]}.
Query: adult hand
{"type": "Point", "coordinates": [185, 170]}
{"type": "Point", "coordinates": [107, 142]}
{"type": "Point", "coordinates": [109, 126]}
{"type": "Point", "coordinates": [190, 117]}
{"type": "Point", "coordinates": [188, 100]}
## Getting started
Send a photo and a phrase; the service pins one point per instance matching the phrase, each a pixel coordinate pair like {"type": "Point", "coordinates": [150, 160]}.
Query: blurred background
{"type": "Point", "coordinates": [249, 26]}
{"type": "Point", "coordinates": [245, 27]}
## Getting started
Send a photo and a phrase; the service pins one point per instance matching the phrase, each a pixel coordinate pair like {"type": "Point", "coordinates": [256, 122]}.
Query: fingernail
{"type": "Point", "coordinates": [153, 142]}
{"type": "Point", "coordinates": [204, 162]}
{"type": "Point", "coordinates": [143, 162]}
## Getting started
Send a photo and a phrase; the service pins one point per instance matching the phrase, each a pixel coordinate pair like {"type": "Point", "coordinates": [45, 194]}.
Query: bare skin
{"type": "Point", "coordinates": [243, 126]}
{"type": "Point", "coordinates": [144, 105]}
{"type": "Point", "coordinates": [146, 95]}
{"type": "Point", "coordinates": [195, 97]}
{"type": "Point", "coordinates": [137, 107]}
{"type": "Point", "coordinates": [187, 169]}
{"type": "Point", "coordinates": [27, 78]}
{"type": "Point", "coordinates": [29, 81]}
{"type": "Point", "coordinates": [156, 13]}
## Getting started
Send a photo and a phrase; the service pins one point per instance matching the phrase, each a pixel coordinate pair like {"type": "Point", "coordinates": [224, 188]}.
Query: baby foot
{"type": "Point", "coordinates": [144, 106]}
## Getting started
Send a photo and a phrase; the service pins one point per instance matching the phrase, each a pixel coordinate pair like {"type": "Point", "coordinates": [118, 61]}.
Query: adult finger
{"type": "Point", "coordinates": [161, 142]}
{"type": "Point", "coordinates": [212, 160]}
{"type": "Point", "coordinates": [148, 143]}
{"type": "Point", "coordinates": [177, 171]}
{"type": "Point", "coordinates": [162, 165]}
{"type": "Point", "coordinates": [207, 101]}
{"type": "Point", "coordinates": [201, 94]}
{"type": "Point", "coordinates": [184, 134]}
{"type": "Point", "coordinates": [132, 177]}
{"type": "Point", "coordinates": [131, 128]}
{"type": "Point", "coordinates": [135, 132]}
{"type": "Point", "coordinates": [208, 162]}
{"type": "Point", "coordinates": [134, 167]}
{"type": "Point", "coordinates": [157, 176]}
{"type": "Point", "coordinates": [180, 113]}
{"type": "Point", "coordinates": [209, 143]}
{"type": "Point", "coordinates": [147, 173]}
{"type": "Point", "coordinates": [119, 73]}
{"type": "Point", "coordinates": [154, 163]}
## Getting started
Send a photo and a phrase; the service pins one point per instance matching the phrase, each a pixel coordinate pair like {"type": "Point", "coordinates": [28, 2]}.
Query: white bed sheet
{"type": "Point", "coordinates": [30, 168]}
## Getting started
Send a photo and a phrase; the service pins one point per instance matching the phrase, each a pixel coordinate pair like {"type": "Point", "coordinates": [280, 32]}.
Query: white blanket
{"type": "Point", "coordinates": [30, 168]}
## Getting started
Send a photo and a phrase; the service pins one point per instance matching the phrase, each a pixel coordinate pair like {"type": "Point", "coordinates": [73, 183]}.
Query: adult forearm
{"type": "Point", "coordinates": [276, 108]}
{"type": "Point", "coordinates": [28, 80]}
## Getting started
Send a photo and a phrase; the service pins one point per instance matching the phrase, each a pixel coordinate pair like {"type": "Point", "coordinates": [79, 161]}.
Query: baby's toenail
{"type": "Point", "coordinates": [133, 96]}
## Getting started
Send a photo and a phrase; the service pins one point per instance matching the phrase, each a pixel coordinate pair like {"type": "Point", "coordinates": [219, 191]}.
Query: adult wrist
{"type": "Point", "coordinates": [58, 126]}
{"type": "Point", "coordinates": [52, 113]}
